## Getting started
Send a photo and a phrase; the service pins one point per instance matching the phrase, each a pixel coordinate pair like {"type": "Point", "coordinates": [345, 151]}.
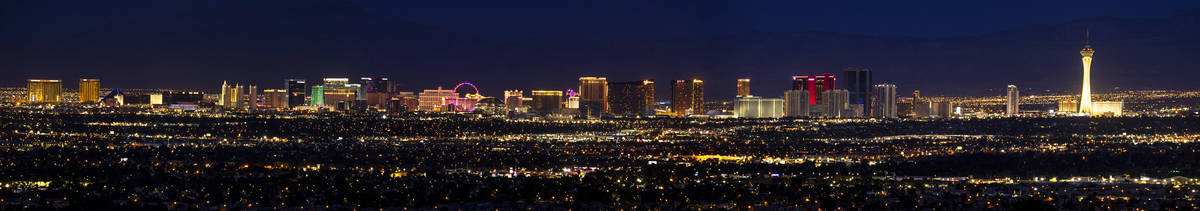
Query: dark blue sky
{"type": "Point", "coordinates": [617, 19]}
{"type": "Point", "coordinates": [600, 19]}
{"type": "Point", "coordinates": [938, 46]}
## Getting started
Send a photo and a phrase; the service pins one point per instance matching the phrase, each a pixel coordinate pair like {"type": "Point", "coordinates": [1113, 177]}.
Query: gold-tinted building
{"type": "Point", "coordinates": [593, 95]}
{"type": "Point", "coordinates": [44, 91]}
{"type": "Point", "coordinates": [743, 87]}
{"type": "Point", "coordinates": [687, 97]}
{"type": "Point", "coordinates": [634, 98]}
{"type": "Point", "coordinates": [89, 90]}
{"type": "Point", "coordinates": [547, 101]}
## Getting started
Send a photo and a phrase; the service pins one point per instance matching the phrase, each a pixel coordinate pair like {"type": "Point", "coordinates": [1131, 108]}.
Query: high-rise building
{"type": "Point", "coordinates": [512, 99]}
{"type": "Point", "coordinates": [941, 109]}
{"type": "Point", "coordinates": [296, 92]}
{"type": "Point", "coordinates": [252, 98]}
{"type": "Point", "coordinates": [835, 102]}
{"type": "Point", "coordinates": [317, 95]}
{"type": "Point", "coordinates": [743, 87]}
{"type": "Point", "coordinates": [1014, 101]}
{"type": "Point", "coordinates": [857, 80]}
{"type": "Point", "coordinates": [687, 97]}
{"type": "Point", "coordinates": [815, 85]}
{"type": "Point", "coordinates": [44, 90]}
{"type": "Point", "coordinates": [231, 95]}
{"type": "Point", "coordinates": [1085, 97]}
{"type": "Point", "coordinates": [795, 103]}
{"type": "Point", "coordinates": [434, 99]}
{"type": "Point", "coordinates": [633, 98]}
{"type": "Point", "coordinates": [593, 95]}
{"type": "Point", "coordinates": [376, 85]}
{"type": "Point", "coordinates": [339, 96]}
{"type": "Point", "coordinates": [756, 107]}
{"type": "Point", "coordinates": [89, 90]}
{"type": "Point", "coordinates": [377, 91]}
{"type": "Point", "coordinates": [884, 101]}
{"type": "Point", "coordinates": [547, 101]}
{"type": "Point", "coordinates": [275, 98]}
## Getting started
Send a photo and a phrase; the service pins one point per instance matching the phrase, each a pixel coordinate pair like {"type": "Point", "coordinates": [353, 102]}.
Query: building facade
{"type": "Point", "coordinates": [743, 87]}
{"type": "Point", "coordinates": [44, 90]}
{"type": "Point", "coordinates": [835, 103]}
{"type": "Point", "coordinates": [815, 85]}
{"type": "Point", "coordinates": [884, 101]}
{"type": "Point", "coordinates": [593, 96]}
{"type": "Point", "coordinates": [1013, 102]}
{"type": "Point", "coordinates": [796, 103]}
{"type": "Point", "coordinates": [687, 97]}
{"type": "Point", "coordinates": [89, 90]}
{"type": "Point", "coordinates": [632, 98]}
{"type": "Point", "coordinates": [858, 81]}
{"type": "Point", "coordinates": [756, 107]}
{"type": "Point", "coordinates": [296, 89]}
{"type": "Point", "coordinates": [546, 102]}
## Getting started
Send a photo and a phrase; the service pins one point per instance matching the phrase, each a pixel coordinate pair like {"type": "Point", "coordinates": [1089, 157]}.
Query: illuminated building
{"type": "Point", "coordinates": [687, 97]}
{"type": "Point", "coordinates": [1068, 106]}
{"type": "Point", "coordinates": [633, 98]}
{"type": "Point", "coordinates": [796, 103]}
{"type": "Point", "coordinates": [339, 98]}
{"type": "Point", "coordinates": [156, 99]}
{"type": "Point", "coordinates": [377, 91]}
{"type": "Point", "coordinates": [1107, 108]}
{"type": "Point", "coordinates": [941, 109]}
{"type": "Point", "coordinates": [756, 107]}
{"type": "Point", "coordinates": [44, 91]}
{"type": "Point", "coordinates": [512, 99]}
{"type": "Point", "coordinates": [593, 95]}
{"type": "Point", "coordinates": [743, 87]}
{"type": "Point", "coordinates": [815, 85]}
{"type": "Point", "coordinates": [884, 101]}
{"type": "Point", "coordinates": [835, 103]}
{"type": "Point", "coordinates": [857, 80]}
{"type": "Point", "coordinates": [89, 90]}
{"type": "Point", "coordinates": [296, 92]}
{"type": "Point", "coordinates": [546, 101]}
{"type": "Point", "coordinates": [275, 98]}
{"type": "Point", "coordinates": [572, 100]}
{"type": "Point", "coordinates": [434, 99]}
{"type": "Point", "coordinates": [252, 98]}
{"type": "Point", "coordinates": [336, 81]}
{"type": "Point", "coordinates": [464, 103]}
{"type": "Point", "coordinates": [318, 96]}
{"type": "Point", "coordinates": [229, 95]}
{"type": "Point", "coordinates": [1085, 97]}
{"type": "Point", "coordinates": [404, 101]}
{"type": "Point", "coordinates": [1013, 101]}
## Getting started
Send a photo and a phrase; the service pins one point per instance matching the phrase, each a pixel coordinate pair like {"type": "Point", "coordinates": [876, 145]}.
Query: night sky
{"type": "Point", "coordinates": [941, 47]}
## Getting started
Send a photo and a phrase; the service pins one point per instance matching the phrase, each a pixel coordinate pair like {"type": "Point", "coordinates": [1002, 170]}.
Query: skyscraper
{"type": "Point", "coordinates": [89, 90]}
{"type": "Point", "coordinates": [1011, 107]}
{"type": "Point", "coordinates": [884, 101]}
{"type": "Point", "coordinates": [512, 99]}
{"type": "Point", "coordinates": [593, 95]}
{"type": "Point", "coordinates": [296, 92]}
{"type": "Point", "coordinates": [252, 98]}
{"type": "Point", "coordinates": [815, 85]}
{"type": "Point", "coordinates": [377, 91]}
{"type": "Point", "coordinates": [743, 87]}
{"type": "Point", "coordinates": [858, 82]}
{"type": "Point", "coordinates": [230, 95]}
{"type": "Point", "coordinates": [835, 101]}
{"type": "Point", "coordinates": [632, 98]}
{"type": "Point", "coordinates": [795, 103]}
{"type": "Point", "coordinates": [1085, 97]}
{"type": "Point", "coordinates": [275, 98]}
{"type": "Point", "coordinates": [318, 96]}
{"type": "Point", "coordinates": [687, 97]}
{"type": "Point", "coordinates": [44, 90]}
{"type": "Point", "coordinates": [547, 101]}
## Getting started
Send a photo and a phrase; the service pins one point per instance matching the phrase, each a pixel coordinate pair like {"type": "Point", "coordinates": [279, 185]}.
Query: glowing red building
{"type": "Point", "coordinates": [814, 84]}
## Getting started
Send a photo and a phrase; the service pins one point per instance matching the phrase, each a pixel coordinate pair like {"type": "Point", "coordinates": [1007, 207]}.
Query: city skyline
{"type": "Point", "coordinates": [921, 67]}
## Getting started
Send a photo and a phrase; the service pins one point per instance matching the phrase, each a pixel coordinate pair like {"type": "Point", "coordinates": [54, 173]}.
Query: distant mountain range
{"type": "Point", "coordinates": [264, 45]}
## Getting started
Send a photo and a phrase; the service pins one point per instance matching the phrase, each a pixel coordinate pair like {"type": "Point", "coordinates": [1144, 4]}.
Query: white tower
{"type": "Point", "coordinates": [1085, 101]}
